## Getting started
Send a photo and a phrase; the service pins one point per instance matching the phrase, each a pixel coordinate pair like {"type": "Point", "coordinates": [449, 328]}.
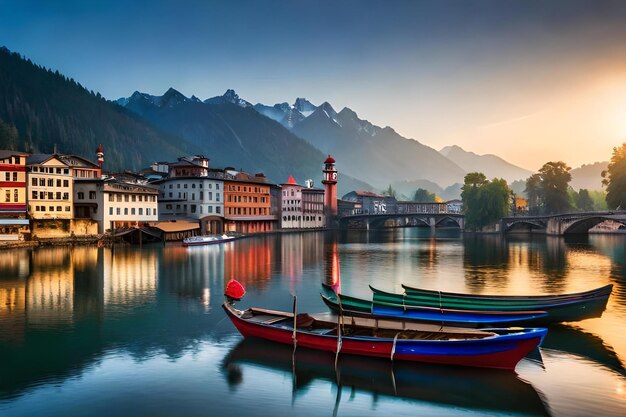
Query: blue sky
{"type": "Point", "coordinates": [530, 81]}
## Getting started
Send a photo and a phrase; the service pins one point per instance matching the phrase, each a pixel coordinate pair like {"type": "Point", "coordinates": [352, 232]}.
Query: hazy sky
{"type": "Point", "coordinates": [530, 81]}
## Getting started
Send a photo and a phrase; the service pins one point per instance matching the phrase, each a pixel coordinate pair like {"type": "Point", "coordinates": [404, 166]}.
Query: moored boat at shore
{"type": "Point", "coordinates": [208, 239]}
{"type": "Point", "coordinates": [392, 339]}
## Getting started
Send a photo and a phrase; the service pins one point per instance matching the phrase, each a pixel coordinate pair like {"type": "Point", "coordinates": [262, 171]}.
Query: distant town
{"type": "Point", "coordinates": [57, 196]}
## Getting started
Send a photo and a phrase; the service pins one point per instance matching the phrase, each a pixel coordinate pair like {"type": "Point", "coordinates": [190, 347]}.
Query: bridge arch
{"type": "Point", "coordinates": [524, 226]}
{"type": "Point", "coordinates": [583, 225]}
{"type": "Point", "coordinates": [449, 221]}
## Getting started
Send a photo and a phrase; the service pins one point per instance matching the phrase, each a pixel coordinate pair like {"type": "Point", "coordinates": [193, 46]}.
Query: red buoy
{"type": "Point", "coordinates": [235, 290]}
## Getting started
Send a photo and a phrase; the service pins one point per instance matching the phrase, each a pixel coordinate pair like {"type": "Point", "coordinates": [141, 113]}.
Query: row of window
{"type": "Point", "coordinates": [247, 211]}
{"type": "Point", "coordinates": [193, 196]}
{"type": "Point", "coordinates": [247, 189]}
{"type": "Point", "coordinates": [287, 192]}
{"type": "Point", "coordinates": [51, 208]}
{"type": "Point", "coordinates": [298, 218]}
{"type": "Point", "coordinates": [245, 199]}
{"type": "Point", "coordinates": [81, 195]}
{"type": "Point", "coordinates": [8, 176]}
{"type": "Point", "coordinates": [48, 182]}
{"type": "Point", "coordinates": [7, 195]}
{"type": "Point", "coordinates": [195, 208]}
{"type": "Point", "coordinates": [50, 170]}
{"type": "Point", "coordinates": [127, 198]}
{"type": "Point", "coordinates": [139, 210]}
{"type": "Point", "coordinates": [193, 185]}
{"type": "Point", "coordinates": [43, 195]}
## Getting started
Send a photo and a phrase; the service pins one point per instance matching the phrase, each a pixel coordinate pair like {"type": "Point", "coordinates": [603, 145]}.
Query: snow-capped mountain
{"type": "Point", "coordinates": [229, 97]}
{"type": "Point", "coordinates": [304, 106]}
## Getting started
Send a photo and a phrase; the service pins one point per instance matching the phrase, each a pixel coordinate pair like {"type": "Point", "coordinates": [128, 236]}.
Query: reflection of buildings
{"type": "Point", "coordinates": [129, 275]}
{"type": "Point", "coordinates": [250, 263]}
{"type": "Point", "coordinates": [332, 273]}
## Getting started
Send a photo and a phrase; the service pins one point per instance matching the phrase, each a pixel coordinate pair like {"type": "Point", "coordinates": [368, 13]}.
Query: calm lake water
{"type": "Point", "coordinates": [136, 331]}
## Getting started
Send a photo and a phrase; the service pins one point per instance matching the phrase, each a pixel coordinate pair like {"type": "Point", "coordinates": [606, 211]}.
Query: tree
{"type": "Point", "coordinates": [614, 178]}
{"type": "Point", "coordinates": [424, 196]}
{"type": "Point", "coordinates": [533, 193]}
{"type": "Point", "coordinates": [484, 202]}
{"type": "Point", "coordinates": [555, 177]}
{"type": "Point", "coordinates": [390, 192]}
{"type": "Point", "coordinates": [583, 199]}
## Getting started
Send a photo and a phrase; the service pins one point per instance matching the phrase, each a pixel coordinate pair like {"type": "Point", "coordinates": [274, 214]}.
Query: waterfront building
{"type": "Point", "coordinates": [13, 210]}
{"type": "Point", "coordinates": [330, 191]}
{"type": "Point", "coordinates": [247, 203]}
{"type": "Point", "coordinates": [81, 167]}
{"type": "Point", "coordinates": [291, 205]}
{"type": "Point", "coordinates": [50, 187]}
{"type": "Point", "coordinates": [367, 202]}
{"type": "Point", "coordinates": [116, 204]}
{"type": "Point", "coordinates": [313, 215]}
{"type": "Point", "coordinates": [193, 192]}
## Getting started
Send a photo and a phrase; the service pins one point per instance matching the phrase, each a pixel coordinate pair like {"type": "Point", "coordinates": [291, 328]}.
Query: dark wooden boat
{"type": "Point", "coordinates": [573, 309]}
{"type": "Point", "coordinates": [392, 339]}
{"type": "Point", "coordinates": [462, 318]}
{"type": "Point", "coordinates": [515, 299]}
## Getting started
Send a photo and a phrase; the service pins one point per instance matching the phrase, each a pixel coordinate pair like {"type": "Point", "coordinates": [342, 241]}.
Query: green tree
{"type": "Point", "coordinates": [555, 177]}
{"type": "Point", "coordinates": [534, 193]}
{"type": "Point", "coordinates": [424, 196]}
{"type": "Point", "coordinates": [614, 178]}
{"type": "Point", "coordinates": [583, 199]}
{"type": "Point", "coordinates": [484, 202]}
{"type": "Point", "coordinates": [390, 192]}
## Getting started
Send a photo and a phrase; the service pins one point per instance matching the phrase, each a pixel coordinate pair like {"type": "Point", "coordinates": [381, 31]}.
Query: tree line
{"type": "Point", "coordinates": [547, 192]}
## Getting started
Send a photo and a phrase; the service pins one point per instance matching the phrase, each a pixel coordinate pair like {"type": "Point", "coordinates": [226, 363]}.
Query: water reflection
{"type": "Point", "coordinates": [459, 387]}
{"type": "Point", "coordinates": [64, 310]}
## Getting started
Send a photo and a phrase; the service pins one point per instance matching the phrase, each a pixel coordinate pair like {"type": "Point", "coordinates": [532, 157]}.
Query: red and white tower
{"type": "Point", "coordinates": [330, 194]}
{"type": "Point", "coordinates": [100, 155]}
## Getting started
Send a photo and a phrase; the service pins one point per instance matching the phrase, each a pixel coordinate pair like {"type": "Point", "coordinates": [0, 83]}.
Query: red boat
{"type": "Point", "coordinates": [393, 339]}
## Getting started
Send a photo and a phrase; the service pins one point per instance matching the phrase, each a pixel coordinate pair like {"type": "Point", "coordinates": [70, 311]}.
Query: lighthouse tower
{"type": "Point", "coordinates": [330, 187]}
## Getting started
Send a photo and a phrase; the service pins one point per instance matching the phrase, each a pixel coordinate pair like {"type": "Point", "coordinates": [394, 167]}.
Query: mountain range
{"type": "Point", "coordinates": [42, 110]}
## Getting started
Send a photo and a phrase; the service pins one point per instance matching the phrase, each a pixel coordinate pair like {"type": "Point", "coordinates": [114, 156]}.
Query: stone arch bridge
{"type": "Point", "coordinates": [434, 220]}
{"type": "Point", "coordinates": [560, 224]}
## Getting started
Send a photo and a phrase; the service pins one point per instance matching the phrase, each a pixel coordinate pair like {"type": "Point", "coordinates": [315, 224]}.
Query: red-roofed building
{"type": "Point", "coordinates": [13, 221]}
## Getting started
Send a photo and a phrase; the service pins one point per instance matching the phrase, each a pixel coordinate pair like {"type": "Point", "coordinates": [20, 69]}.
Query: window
{"type": "Point", "coordinates": [42, 195]}
{"type": "Point", "coordinates": [126, 198]}
{"type": "Point", "coordinates": [50, 195]}
{"type": "Point", "coordinates": [134, 198]}
{"type": "Point", "coordinates": [58, 170]}
{"type": "Point", "coordinates": [118, 198]}
{"type": "Point", "coordinates": [34, 182]}
{"type": "Point", "coordinates": [111, 197]}
{"type": "Point", "coordinates": [66, 171]}
{"type": "Point", "coordinates": [185, 185]}
{"type": "Point", "coordinates": [141, 197]}
{"type": "Point", "coordinates": [42, 182]}
{"type": "Point", "coordinates": [92, 195]}
{"type": "Point", "coordinates": [132, 211]}
{"type": "Point", "coordinates": [67, 208]}
{"type": "Point", "coordinates": [149, 211]}
{"type": "Point", "coordinates": [59, 208]}
{"type": "Point", "coordinates": [209, 209]}
{"type": "Point", "coordinates": [58, 196]}
{"type": "Point", "coordinates": [168, 206]}
{"type": "Point", "coordinates": [117, 211]}
{"type": "Point", "coordinates": [125, 211]}
{"type": "Point", "coordinates": [193, 208]}
{"type": "Point", "coordinates": [110, 211]}
{"type": "Point", "coordinates": [58, 183]}
{"type": "Point", "coordinates": [15, 196]}
{"type": "Point", "coordinates": [170, 195]}
{"type": "Point", "coordinates": [217, 186]}
{"type": "Point", "coordinates": [34, 195]}
{"type": "Point", "coordinates": [81, 195]}
{"type": "Point", "coordinates": [201, 195]}
{"type": "Point", "coordinates": [43, 208]}
{"type": "Point", "coordinates": [15, 176]}
{"type": "Point", "coordinates": [193, 196]}
{"type": "Point", "coordinates": [217, 197]}
{"type": "Point", "coordinates": [193, 185]}
{"type": "Point", "coordinates": [177, 185]}
{"type": "Point", "coordinates": [8, 176]}
{"type": "Point", "coordinates": [50, 182]}
{"type": "Point", "coordinates": [141, 211]}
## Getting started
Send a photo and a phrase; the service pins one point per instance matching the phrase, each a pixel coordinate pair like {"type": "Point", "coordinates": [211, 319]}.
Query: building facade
{"type": "Point", "coordinates": [291, 204]}
{"type": "Point", "coordinates": [330, 191]}
{"type": "Point", "coordinates": [115, 204]}
{"type": "Point", "coordinates": [247, 203]}
{"type": "Point", "coordinates": [13, 210]}
{"type": "Point", "coordinates": [194, 198]}
{"type": "Point", "coordinates": [50, 187]}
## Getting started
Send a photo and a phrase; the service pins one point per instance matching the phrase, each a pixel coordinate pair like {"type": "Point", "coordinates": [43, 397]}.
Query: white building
{"type": "Point", "coordinates": [302, 207]}
{"type": "Point", "coordinates": [115, 204]}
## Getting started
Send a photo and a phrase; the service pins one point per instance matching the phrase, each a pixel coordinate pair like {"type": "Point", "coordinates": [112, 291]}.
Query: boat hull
{"type": "Point", "coordinates": [501, 352]}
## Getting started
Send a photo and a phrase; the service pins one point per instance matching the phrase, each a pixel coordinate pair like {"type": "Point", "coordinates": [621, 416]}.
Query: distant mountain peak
{"type": "Point", "coordinates": [230, 96]}
{"type": "Point", "coordinates": [171, 98]}
{"type": "Point", "coordinates": [304, 106]}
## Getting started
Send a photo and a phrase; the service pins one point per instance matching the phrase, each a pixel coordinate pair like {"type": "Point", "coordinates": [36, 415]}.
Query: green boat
{"type": "Point", "coordinates": [568, 309]}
